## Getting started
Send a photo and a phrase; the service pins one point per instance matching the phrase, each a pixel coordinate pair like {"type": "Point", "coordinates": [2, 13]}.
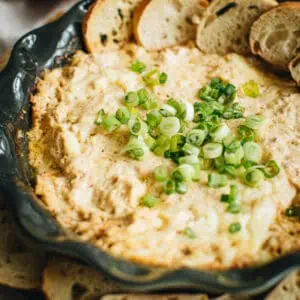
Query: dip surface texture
{"type": "Point", "coordinates": [93, 189]}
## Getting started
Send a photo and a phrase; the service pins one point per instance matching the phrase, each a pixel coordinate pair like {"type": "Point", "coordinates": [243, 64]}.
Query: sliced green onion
{"type": "Point", "coordinates": [162, 144]}
{"type": "Point", "coordinates": [180, 187]}
{"type": "Point", "coordinates": [230, 170]}
{"type": "Point", "coordinates": [175, 156]}
{"type": "Point", "coordinates": [149, 201]}
{"type": "Point", "coordinates": [150, 141]}
{"type": "Point", "coordinates": [137, 127]}
{"type": "Point", "coordinates": [233, 146]}
{"type": "Point", "coordinates": [138, 67]}
{"type": "Point", "coordinates": [205, 164]}
{"type": "Point", "coordinates": [246, 133]}
{"type": "Point", "coordinates": [208, 94]}
{"type": "Point", "coordinates": [219, 163]}
{"type": "Point", "coordinates": [151, 104]}
{"type": "Point", "coordinates": [153, 118]}
{"type": "Point", "coordinates": [190, 149]}
{"type": "Point", "coordinates": [132, 99]}
{"type": "Point", "coordinates": [233, 111]}
{"type": "Point", "coordinates": [184, 172]}
{"type": "Point", "coordinates": [189, 159]}
{"type": "Point", "coordinates": [233, 197]}
{"type": "Point", "coordinates": [250, 89]}
{"type": "Point", "coordinates": [229, 139]}
{"type": "Point", "coordinates": [179, 107]}
{"type": "Point", "coordinates": [230, 92]}
{"type": "Point", "coordinates": [136, 147]}
{"type": "Point", "coordinates": [99, 117]}
{"type": "Point", "coordinates": [197, 173]}
{"type": "Point", "coordinates": [161, 173]}
{"type": "Point", "coordinates": [123, 115]}
{"type": "Point", "coordinates": [271, 169]}
{"type": "Point", "coordinates": [234, 158]}
{"type": "Point", "coordinates": [252, 152]}
{"type": "Point", "coordinates": [189, 112]}
{"type": "Point", "coordinates": [212, 150]}
{"type": "Point", "coordinates": [253, 177]}
{"type": "Point", "coordinates": [110, 123]}
{"type": "Point", "coordinates": [177, 142]}
{"type": "Point", "coordinates": [219, 133]}
{"type": "Point", "coordinates": [196, 137]}
{"type": "Point", "coordinates": [152, 78]}
{"type": "Point", "coordinates": [143, 96]}
{"type": "Point", "coordinates": [169, 187]}
{"type": "Point", "coordinates": [234, 227]}
{"type": "Point", "coordinates": [163, 77]}
{"type": "Point", "coordinates": [293, 212]}
{"type": "Point", "coordinates": [254, 122]}
{"type": "Point", "coordinates": [233, 208]}
{"type": "Point", "coordinates": [202, 110]}
{"type": "Point", "coordinates": [190, 233]}
{"type": "Point", "coordinates": [217, 180]}
{"type": "Point", "coordinates": [167, 110]}
{"type": "Point", "coordinates": [169, 126]}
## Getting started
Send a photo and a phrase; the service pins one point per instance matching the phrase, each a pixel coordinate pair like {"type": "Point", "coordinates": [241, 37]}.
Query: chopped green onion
{"type": "Point", "coordinates": [246, 133]}
{"type": "Point", "coordinates": [150, 141]}
{"type": "Point", "coordinates": [143, 96]}
{"type": "Point", "coordinates": [161, 173]}
{"type": "Point", "coordinates": [179, 107]}
{"type": "Point", "coordinates": [229, 139]}
{"type": "Point", "coordinates": [219, 133]}
{"type": "Point", "coordinates": [217, 180]}
{"type": "Point", "coordinates": [253, 177]}
{"type": "Point", "coordinates": [197, 173]}
{"type": "Point", "coordinates": [252, 152]}
{"type": "Point", "coordinates": [271, 169]}
{"type": "Point", "coordinates": [153, 118]}
{"type": "Point", "coordinates": [149, 201]}
{"type": "Point", "coordinates": [230, 170]}
{"type": "Point", "coordinates": [205, 164]}
{"type": "Point", "coordinates": [189, 159]}
{"type": "Point", "coordinates": [152, 78]}
{"type": "Point", "coordinates": [189, 112]}
{"type": "Point", "coordinates": [167, 110]}
{"type": "Point", "coordinates": [202, 110]}
{"type": "Point", "coordinates": [169, 187]}
{"type": "Point", "coordinates": [180, 187]}
{"type": "Point", "coordinates": [123, 115]}
{"type": "Point", "coordinates": [177, 142]}
{"type": "Point", "coordinates": [137, 127]}
{"type": "Point", "coordinates": [254, 122]}
{"type": "Point", "coordinates": [138, 67]}
{"type": "Point", "coordinates": [136, 147]}
{"type": "Point", "coordinates": [208, 94]}
{"type": "Point", "coordinates": [196, 137]}
{"type": "Point", "coordinates": [212, 150]}
{"type": "Point", "coordinates": [234, 158]}
{"type": "Point", "coordinates": [99, 117]}
{"type": "Point", "coordinates": [233, 197]}
{"type": "Point", "coordinates": [162, 144]}
{"type": "Point", "coordinates": [175, 156]}
{"type": "Point", "coordinates": [151, 104]}
{"type": "Point", "coordinates": [132, 99]}
{"type": "Point", "coordinates": [190, 233]}
{"type": "Point", "coordinates": [219, 163]}
{"type": "Point", "coordinates": [163, 78]}
{"type": "Point", "coordinates": [233, 208]}
{"type": "Point", "coordinates": [110, 123]}
{"type": "Point", "coordinates": [233, 146]}
{"type": "Point", "coordinates": [169, 126]}
{"type": "Point", "coordinates": [234, 227]}
{"type": "Point", "coordinates": [184, 172]}
{"type": "Point", "coordinates": [250, 89]}
{"type": "Point", "coordinates": [293, 212]}
{"type": "Point", "coordinates": [190, 149]}
{"type": "Point", "coordinates": [233, 111]}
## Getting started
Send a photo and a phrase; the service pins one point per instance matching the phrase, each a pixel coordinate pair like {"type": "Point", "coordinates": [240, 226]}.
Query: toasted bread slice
{"type": "Point", "coordinates": [294, 67]}
{"type": "Point", "coordinates": [159, 24]}
{"type": "Point", "coordinates": [65, 279]}
{"type": "Point", "coordinates": [19, 267]}
{"type": "Point", "coordinates": [225, 25]}
{"type": "Point", "coordinates": [108, 24]}
{"type": "Point", "coordinates": [275, 36]}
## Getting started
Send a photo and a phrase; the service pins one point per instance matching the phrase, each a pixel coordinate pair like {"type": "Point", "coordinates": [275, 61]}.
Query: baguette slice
{"type": "Point", "coordinates": [294, 67]}
{"type": "Point", "coordinates": [275, 36]}
{"type": "Point", "coordinates": [159, 24]}
{"type": "Point", "coordinates": [67, 280]}
{"type": "Point", "coordinates": [107, 24]}
{"type": "Point", "coordinates": [225, 25]}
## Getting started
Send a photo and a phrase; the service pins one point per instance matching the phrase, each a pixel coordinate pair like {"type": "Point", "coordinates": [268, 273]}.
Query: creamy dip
{"type": "Point", "coordinates": [93, 189]}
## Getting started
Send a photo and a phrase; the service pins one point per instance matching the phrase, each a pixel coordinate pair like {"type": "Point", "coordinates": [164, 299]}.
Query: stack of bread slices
{"type": "Point", "coordinates": [260, 27]}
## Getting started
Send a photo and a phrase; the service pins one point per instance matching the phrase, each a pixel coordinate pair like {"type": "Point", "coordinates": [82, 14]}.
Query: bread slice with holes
{"type": "Point", "coordinates": [275, 36]}
{"type": "Point", "coordinates": [108, 24]}
{"type": "Point", "coordinates": [294, 67]}
{"type": "Point", "coordinates": [158, 24]}
{"type": "Point", "coordinates": [65, 279]}
{"type": "Point", "coordinates": [225, 25]}
{"type": "Point", "coordinates": [19, 267]}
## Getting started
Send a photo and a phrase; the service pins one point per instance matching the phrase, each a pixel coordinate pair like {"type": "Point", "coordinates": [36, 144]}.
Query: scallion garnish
{"type": "Point", "coordinates": [161, 173]}
{"type": "Point", "coordinates": [190, 149]}
{"type": "Point", "coordinates": [246, 133]}
{"type": "Point", "coordinates": [234, 227]}
{"type": "Point", "coordinates": [136, 147]}
{"type": "Point", "coordinates": [167, 110]}
{"type": "Point", "coordinates": [184, 172]}
{"type": "Point", "coordinates": [250, 89]}
{"type": "Point", "coordinates": [99, 117]}
{"type": "Point", "coordinates": [254, 122]}
{"type": "Point", "coordinates": [205, 164]}
{"type": "Point", "coordinates": [163, 78]}
{"type": "Point", "coordinates": [161, 145]}
{"type": "Point", "coordinates": [153, 118]}
{"type": "Point", "coordinates": [180, 187]}
{"type": "Point", "coordinates": [217, 180]}
{"type": "Point", "coordinates": [271, 169]}
{"type": "Point", "coordinates": [143, 96]}
{"type": "Point", "coordinates": [189, 159]}
{"type": "Point", "coordinates": [169, 126]}
{"type": "Point", "coordinates": [137, 127]}
{"type": "Point", "coordinates": [219, 133]}
{"type": "Point", "coordinates": [149, 201]}
{"type": "Point", "coordinates": [179, 107]}
{"type": "Point", "coordinates": [110, 123]}
{"type": "Point", "coordinates": [189, 112]}
{"type": "Point", "coordinates": [132, 99]}
{"type": "Point", "coordinates": [169, 187]}
{"type": "Point", "coordinates": [253, 177]}
{"type": "Point", "coordinates": [212, 150]}
{"type": "Point", "coordinates": [234, 158]}
{"type": "Point", "coordinates": [138, 67]}
{"type": "Point", "coordinates": [123, 115]}
{"type": "Point", "coordinates": [177, 142]}
{"type": "Point", "coordinates": [196, 137]}
{"type": "Point", "coordinates": [190, 233]}
{"type": "Point", "coordinates": [152, 78]}
{"type": "Point", "coordinates": [252, 152]}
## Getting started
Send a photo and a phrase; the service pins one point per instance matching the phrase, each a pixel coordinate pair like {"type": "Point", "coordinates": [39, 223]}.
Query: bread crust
{"type": "Point", "coordinates": [292, 65]}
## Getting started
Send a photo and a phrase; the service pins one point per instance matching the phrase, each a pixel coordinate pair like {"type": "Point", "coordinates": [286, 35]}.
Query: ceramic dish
{"type": "Point", "coordinates": [47, 47]}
